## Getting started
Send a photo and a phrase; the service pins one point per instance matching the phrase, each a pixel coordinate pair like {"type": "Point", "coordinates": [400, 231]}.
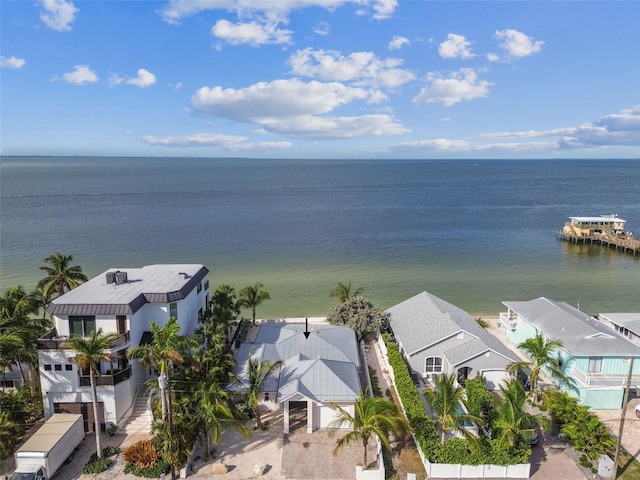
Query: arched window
{"type": "Point", "coordinates": [433, 365]}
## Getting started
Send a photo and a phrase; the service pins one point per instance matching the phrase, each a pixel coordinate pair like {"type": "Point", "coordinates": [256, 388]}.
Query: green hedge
{"type": "Point", "coordinates": [454, 450]}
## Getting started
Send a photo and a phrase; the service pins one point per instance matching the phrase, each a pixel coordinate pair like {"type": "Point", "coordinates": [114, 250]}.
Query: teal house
{"type": "Point", "coordinates": [594, 355]}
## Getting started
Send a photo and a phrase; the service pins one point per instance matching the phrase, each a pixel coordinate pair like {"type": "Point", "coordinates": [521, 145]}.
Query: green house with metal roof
{"type": "Point", "coordinates": [595, 356]}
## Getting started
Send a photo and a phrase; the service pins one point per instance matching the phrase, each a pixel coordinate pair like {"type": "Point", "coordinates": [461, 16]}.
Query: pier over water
{"type": "Point", "coordinates": [607, 230]}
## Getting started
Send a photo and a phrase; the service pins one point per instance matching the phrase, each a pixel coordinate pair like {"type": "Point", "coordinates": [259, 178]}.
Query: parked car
{"type": "Point", "coordinates": [638, 410]}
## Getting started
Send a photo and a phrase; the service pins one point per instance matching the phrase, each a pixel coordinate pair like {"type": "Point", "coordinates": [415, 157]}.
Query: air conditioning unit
{"type": "Point", "coordinates": [111, 278]}
{"type": "Point", "coordinates": [121, 277]}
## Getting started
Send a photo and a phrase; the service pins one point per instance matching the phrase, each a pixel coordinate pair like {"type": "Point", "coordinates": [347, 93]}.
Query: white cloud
{"type": "Point", "coordinates": [384, 8]}
{"type": "Point", "coordinates": [176, 10]}
{"type": "Point", "coordinates": [611, 130]}
{"type": "Point", "coordinates": [216, 140]}
{"type": "Point", "coordinates": [276, 99]}
{"type": "Point", "coordinates": [81, 74]}
{"type": "Point", "coordinates": [323, 29]}
{"type": "Point", "coordinates": [517, 44]}
{"type": "Point", "coordinates": [397, 42]}
{"type": "Point", "coordinates": [297, 109]}
{"type": "Point", "coordinates": [58, 14]}
{"type": "Point", "coordinates": [12, 62]}
{"type": "Point", "coordinates": [493, 57]}
{"type": "Point", "coordinates": [253, 33]}
{"type": "Point", "coordinates": [455, 46]}
{"type": "Point", "coordinates": [144, 79]}
{"type": "Point", "coordinates": [333, 128]}
{"type": "Point", "coordinates": [615, 129]}
{"type": "Point", "coordinates": [359, 68]}
{"type": "Point", "coordinates": [460, 85]}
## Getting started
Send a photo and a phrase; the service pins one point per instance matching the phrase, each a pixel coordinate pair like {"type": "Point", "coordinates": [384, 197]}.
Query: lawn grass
{"type": "Point", "coordinates": [628, 466]}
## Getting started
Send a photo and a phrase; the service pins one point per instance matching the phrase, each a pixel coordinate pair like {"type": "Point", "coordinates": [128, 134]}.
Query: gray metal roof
{"type": "Point", "coordinates": [581, 334]}
{"type": "Point", "coordinates": [423, 320]}
{"type": "Point", "coordinates": [149, 284]}
{"type": "Point", "coordinates": [323, 367]}
{"type": "Point", "coordinates": [629, 320]}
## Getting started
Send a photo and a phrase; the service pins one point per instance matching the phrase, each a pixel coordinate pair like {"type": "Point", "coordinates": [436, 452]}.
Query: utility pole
{"type": "Point", "coordinates": [625, 401]}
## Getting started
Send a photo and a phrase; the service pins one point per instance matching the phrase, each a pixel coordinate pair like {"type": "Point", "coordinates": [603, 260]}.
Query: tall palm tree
{"type": "Point", "coordinates": [543, 357]}
{"type": "Point", "coordinates": [344, 293]}
{"type": "Point", "coordinates": [166, 348]}
{"type": "Point", "coordinates": [446, 400]}
{"type": "Point", "coordinates": [61, 275]}
{"type": "Point", "coordinates": [374, 417]}
{"type": "Point", "coordinates": [252, 296]}
{"type": "Point", "coordinates": [258, 372]}
{"type": "Point", "coordinates": [513, 420]}
{"type": "Point", "coordinates": [89, 353]}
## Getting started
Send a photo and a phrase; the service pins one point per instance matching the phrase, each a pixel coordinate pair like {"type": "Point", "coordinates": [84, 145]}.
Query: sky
{"type": "Point", "coordinates": [320, 78]}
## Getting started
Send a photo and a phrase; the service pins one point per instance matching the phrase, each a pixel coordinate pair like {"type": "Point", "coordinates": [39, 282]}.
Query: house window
{"type": "Point", "coordinates": [82, 325]}
{"type": "Point", "coordinates": [68, 367]}
{"type": "Point", "coordinates": [173, 310]}
{"type": "Point", "coordinates": [7, 383]}
{"type": "Point", "coordinates": [47, 367]}
{"type": "Point", "coordinates": [266, 396]}
{"type": "Point", "coordinates": [57, 367]}
{"type": "Point", "coordinates": [595, 364]}
{"type": "Point", "coordinates": [433, 365]}
{"type": "Point", "coordinates": [199, 288]}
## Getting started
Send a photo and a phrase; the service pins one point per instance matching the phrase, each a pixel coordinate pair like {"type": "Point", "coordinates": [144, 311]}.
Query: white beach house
{"type": "Point", "coordinates": [122, 301]}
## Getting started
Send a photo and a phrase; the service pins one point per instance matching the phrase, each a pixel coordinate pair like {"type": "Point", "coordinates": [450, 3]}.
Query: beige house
{"type": "Point", "coordinates": [607, 225]}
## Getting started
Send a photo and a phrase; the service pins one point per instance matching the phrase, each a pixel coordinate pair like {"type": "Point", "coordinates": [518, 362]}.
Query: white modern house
{"type": "Point", "coordinates": [122, 301]}
{"type": "Point", "coordinates": [319, 370]}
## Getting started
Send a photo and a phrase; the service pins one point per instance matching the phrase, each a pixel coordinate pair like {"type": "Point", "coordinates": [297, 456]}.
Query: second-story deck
{"type": "Point", "coordinates": [52, 341]}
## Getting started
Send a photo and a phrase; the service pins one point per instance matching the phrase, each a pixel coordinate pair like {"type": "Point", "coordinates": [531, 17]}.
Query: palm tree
{"type": "Point", "coordinates": [16, 310]}
{"type": "Point", "coordinates": [344, 293]}
{"type": "Point", "coordinates": [166, 348]}
{"type": "Point", "coordinates": [252, 296]}
{"type": "Point", "coordinates": [543, 355]}
{"type": "Point", "coordinates": [224, 307]}
{"type": "Point", "coordinates": [446, 400]}
{"type": "Point", "coordinates": [215, 412]}
{"type": "Point", "coordinates": [61, 275]}
{"type": "Point", "coordinates": [374, 416]}
{"type": "Point", "coordinates": [258, 370]}
{"type": "Point", "coordinates": [513, 421]}
{"type": "Point", "coordinates": [89, 353]}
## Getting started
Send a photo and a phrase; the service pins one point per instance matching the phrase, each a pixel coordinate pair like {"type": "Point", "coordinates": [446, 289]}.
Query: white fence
{"type": "Point", "coordinates": [449, 470]}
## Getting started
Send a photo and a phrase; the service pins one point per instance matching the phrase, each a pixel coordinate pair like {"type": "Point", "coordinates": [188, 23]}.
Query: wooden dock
{"type": "Point", "coordinates": [627, 243]}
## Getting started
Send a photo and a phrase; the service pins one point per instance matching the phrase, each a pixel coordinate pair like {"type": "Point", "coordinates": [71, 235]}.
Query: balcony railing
{"type": "Point", "coordinates": [509, 320]}
{"type": "Point", "coordinates": [110, 379]}
{"type": "Point", "coordinates": [601, 379]}
{"type": "Point", "coordinates": [51, 341]}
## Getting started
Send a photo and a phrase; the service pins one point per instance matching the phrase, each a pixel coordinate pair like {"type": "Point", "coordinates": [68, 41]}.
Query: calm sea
{"type": "Point", "coordinates": [475, 233]}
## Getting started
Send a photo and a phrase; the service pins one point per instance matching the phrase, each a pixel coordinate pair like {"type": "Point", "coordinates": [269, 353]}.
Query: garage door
{"type": "Point", "coordinates": [86, 410]}
{"type": "Point", "coordinates": [494, 378]}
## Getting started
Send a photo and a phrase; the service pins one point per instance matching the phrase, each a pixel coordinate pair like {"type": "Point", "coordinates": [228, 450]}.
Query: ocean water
{"type": "Point", "coordinates": [475, 233]}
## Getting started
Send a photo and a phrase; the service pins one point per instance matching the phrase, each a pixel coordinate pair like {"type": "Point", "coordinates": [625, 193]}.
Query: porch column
{"type": "Point", "coordinates": [310, 416]}
{"type": "Point", "coordinates": [285, 417]}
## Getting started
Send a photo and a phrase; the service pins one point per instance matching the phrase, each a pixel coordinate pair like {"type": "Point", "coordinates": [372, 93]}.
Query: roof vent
{"type": "Point", "coordinates": [185, 275]}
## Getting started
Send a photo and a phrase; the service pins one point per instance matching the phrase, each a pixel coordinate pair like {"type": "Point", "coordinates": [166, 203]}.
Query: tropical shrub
{"type": "Point", "coordinates": [96, 465]}
{"type": "Point", "coordinates": [142, 454]}
{"type": "Point", "coordinates": [358, 313]}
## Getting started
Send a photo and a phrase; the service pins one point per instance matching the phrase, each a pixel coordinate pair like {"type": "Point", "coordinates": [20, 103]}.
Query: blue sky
{"type": "Point", "coordinates": [321, 78]}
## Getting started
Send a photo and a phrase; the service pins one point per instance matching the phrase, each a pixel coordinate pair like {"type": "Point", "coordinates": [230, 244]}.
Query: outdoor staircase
{"type": "Point", "coordinates": [138, 422]}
